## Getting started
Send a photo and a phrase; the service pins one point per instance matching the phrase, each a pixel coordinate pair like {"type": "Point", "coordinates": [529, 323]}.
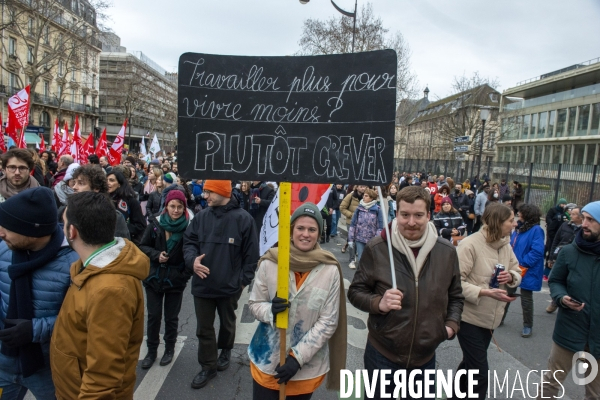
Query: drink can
{"type": "Point", "coordinates": [494, 281]}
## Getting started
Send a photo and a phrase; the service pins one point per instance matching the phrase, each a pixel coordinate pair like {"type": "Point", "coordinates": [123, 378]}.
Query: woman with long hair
{"type": "Point", "coordinates": [493, 196]}
{"type": "Point", "coordinates": [317, 315]}
{"type": "Point", "coordinates": [366, 223]}
{"type": "Point", "coordinates": [528, 245]}
{"type": "Point", "coordinates": [482, 256]}
{"type": "Point", "coordinates": [245, 191]}
{"type": "Point", "coordinates": [162, 242]}
{"type": "Point", "coordinates": [149, 186]}
{"type": "Point", "coordinates": [449, 222]}
{"type": "Point", "coordinates": [154, 198]}
{"type": "Point", "coordinates": [126, 202]}
{"type": "Point", "coordinates": [39, 170]}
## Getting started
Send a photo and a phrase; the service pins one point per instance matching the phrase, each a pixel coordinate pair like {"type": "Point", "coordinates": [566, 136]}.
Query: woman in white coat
{"type": "Point", "coordinates": [316, 334]}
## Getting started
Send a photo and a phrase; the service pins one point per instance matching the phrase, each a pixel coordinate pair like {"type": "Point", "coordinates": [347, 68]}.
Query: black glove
{"type": "Point", "coordinates": [18, 335]}
{"type": "Point", "coordinates": [287, 371]}
{"type": "Point", "coordinates": [278, 305]}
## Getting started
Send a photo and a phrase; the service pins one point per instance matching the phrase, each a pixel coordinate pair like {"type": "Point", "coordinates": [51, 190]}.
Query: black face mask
{"type": "Point", "coordinates": [457, 190]}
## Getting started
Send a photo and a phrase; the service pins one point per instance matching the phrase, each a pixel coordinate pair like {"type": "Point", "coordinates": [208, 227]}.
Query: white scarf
{"type": "Point", "coordinates": [404, 246]}
{"type": "Point", "coordinates": [369, 204]}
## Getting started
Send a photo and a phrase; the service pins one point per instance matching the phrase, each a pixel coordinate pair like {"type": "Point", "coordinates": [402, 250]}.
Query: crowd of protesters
{"type": "Point", "coordinates": [80, 244]}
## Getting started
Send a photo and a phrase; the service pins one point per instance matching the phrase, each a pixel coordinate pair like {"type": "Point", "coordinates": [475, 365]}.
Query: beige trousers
{"type": "Point", "coordinates": [560, 364]}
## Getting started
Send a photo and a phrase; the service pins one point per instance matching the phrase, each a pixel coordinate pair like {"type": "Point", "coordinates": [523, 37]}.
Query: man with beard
{"type": "Point", "coordinates": [34, 276]}
{"type": "Point", "coordinates": [17, 164]}
{"type": "Point", "coordinates": [574, 286]}
{"type": "Point", "coordinates": [63, 164]}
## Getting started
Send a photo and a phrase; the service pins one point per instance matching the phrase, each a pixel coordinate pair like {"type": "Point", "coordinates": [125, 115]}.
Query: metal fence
{"type": "Point", "coordinates": [544, 184]}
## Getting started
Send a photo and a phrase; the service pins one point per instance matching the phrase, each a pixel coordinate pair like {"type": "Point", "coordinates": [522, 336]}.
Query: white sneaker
{"type": "Point", "coordinates": [352, 265]}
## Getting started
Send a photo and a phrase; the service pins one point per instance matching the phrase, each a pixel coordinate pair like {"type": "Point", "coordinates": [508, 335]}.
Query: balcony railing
{"type": "Point", "coordinates": [560, 71]}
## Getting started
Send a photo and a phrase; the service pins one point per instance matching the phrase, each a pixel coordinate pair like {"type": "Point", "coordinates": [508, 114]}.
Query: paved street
{"type": "Point", "coordinates": [510, 352]}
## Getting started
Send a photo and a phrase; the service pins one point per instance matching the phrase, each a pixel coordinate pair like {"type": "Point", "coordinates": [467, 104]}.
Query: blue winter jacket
{"type": "Point", "coordinates": [49, 286]}
{"type": "Point", "coordinates": [529, 249]}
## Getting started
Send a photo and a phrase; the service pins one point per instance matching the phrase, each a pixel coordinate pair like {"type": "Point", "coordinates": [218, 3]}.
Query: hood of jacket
{"type": "Point", "coordinates": [63, 191]}
{"type": "Point", "coordinates": [124, 259]}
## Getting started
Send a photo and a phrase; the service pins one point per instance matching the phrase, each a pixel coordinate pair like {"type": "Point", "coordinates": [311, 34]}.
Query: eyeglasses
{"type": "Point", "coordinates": [206, 193]}
{"type": "Point", "coordinates": [13, 168]}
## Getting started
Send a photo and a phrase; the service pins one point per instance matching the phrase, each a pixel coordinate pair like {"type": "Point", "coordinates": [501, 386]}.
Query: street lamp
{"type": "Point", "coordinates": [346, 13]}
{"type": "Point", "coordinates": [484, 114]}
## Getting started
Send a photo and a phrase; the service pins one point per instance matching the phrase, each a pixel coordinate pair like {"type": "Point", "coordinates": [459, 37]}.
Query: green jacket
{"type": "Point", "coordinates": [577, 273]}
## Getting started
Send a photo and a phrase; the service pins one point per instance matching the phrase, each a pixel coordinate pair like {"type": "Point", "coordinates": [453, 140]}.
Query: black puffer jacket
{"type": "Point", "coordinates": [227, 237]}
{"type": "Point", "coordinates": [153, 204]}
{"type": "Point", "coordinates": [445, 222]}
{"type": "Point", "coordinates": [565, 235]}
{"type": "Point", "coordinates": [171, 276]}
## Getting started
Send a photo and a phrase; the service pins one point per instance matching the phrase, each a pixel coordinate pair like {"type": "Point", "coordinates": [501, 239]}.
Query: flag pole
{"type": "Point", "coordinates": [283, 270]}
{"type": "Point", "coordinates": [389, 240]}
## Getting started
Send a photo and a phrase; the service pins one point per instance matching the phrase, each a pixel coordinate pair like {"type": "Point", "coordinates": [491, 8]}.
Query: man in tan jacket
{"type": "Point", "coordinates": [106, 294]}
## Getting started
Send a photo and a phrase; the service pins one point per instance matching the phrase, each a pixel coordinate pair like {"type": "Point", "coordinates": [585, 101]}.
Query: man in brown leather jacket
{"type": "Point", "coordinates": [407, 324]}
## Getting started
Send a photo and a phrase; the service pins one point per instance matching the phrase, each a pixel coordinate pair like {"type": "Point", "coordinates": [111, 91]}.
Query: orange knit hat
{"type": "Point", "coordinates": [219, 187]}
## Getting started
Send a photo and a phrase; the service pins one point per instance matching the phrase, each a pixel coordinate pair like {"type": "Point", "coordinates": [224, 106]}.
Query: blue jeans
{"type": "Point", "coordinates": [359, 249]}
{"type": "Point", "coordinates": [335, 217]}
{"type": "Point", "coordinates": [15, 386]}
{"type": "Point", "coordinates": [375, 360]}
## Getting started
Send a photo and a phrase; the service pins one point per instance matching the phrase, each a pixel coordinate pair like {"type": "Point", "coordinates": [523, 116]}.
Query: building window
{"type": "Point", "coordinates": [534, 122]}
{"type": "Point", "coordinates": [60, 91]}
{"type": "Point", "coordinates": [60, 68]}
{"type": "Point", "coordinates": [557, 154]}
{"type": "Point", "coordinates": [578, 154]}
{"type": "Point", "coordinates": [591, 154]}
{"type": "Point", "coordinates": [30, 27]}
{"type": "Point", "coordinates": [551, 123]}
{"type": "Point", "coordinates": [537, 156]}
{"type": "Point", "coordinates": [595, 119]}
{"type": "Point", "coordinates": [542, 125]}
{"type": "Point", "coordinates": [84, 102]}
{"type": "Point", "coordinates": [561, 122]}
{"type": "Point", "coordinates": [46, 55]}
{"type": "Point", "coordinates": [47, 35]}
{"type": "Point", "coordinates": [491, 140]}
{"type": "Point", "coordinates": [30, 54]}
{"type": "Point", "coordinates": [12, 80]}
{"type": "Point", "coordinates": [12, 46]}
{"type": "Point", "coordinates": [583, 120]}
{"type": "Point", "coordinates": [73, 74]}
{"type": "Point", "coordinates": [46, 88]}
{"type": "Point", "coordinates": [522, 154]}
{"type": "Point", "coordinates": [44, 119]}
{"type": "Point", "coordinates": [571, 121]}
{"type": "Point", "coordinates": [526, 123]}
{"type": "Point", "coordinates": [73, 96]}
{"type": "Point", "coordinates": [547, 158]}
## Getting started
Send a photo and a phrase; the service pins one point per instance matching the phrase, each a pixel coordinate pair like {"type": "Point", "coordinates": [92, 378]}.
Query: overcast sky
{"type": "Point", "coordinates": [511, 40]}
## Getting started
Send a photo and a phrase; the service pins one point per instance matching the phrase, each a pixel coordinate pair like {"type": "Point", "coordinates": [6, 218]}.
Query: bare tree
{"type": "Point", "coordinates": [458, 114]}
{"type": "Point", "coordinates": [334, 36]}
{"type": "Point", "coordinates": [52, 33]}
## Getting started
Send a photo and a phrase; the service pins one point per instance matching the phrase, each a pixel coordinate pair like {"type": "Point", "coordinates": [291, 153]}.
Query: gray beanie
{"type": "Point", "coordinates": [309, 210]}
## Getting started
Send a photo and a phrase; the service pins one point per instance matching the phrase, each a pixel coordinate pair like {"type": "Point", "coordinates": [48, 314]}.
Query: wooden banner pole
{"type": "Point", "coordinates": [283, 270]}
{"type": "Point", "coordinates": [389, 240]}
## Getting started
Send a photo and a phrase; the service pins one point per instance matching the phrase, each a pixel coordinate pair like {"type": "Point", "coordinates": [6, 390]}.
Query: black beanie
{"type": "Point", "coordinates": [30, 213]}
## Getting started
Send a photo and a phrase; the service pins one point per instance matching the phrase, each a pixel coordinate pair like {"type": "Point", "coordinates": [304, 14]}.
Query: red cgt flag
{"type": "Point", "coordinates": [87, 149]}
{"type": "Point", "coordinates": [64, 143]}
{"type": "Point", "coordinates": [116, 150]}
{"type": "Point", "coordinates": [102, 147]}
{"type": "Point", "coordinates": [18, 116]}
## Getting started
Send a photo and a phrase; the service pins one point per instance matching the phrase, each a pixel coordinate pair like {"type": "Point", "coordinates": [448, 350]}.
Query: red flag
{"type": "Point", "coordinates": [64, 143]}
{"type": "Point", "coordinates": [22, 143]}
{"type": "Point", "coordinates": [76, 146]}
{"type": "Point", "coordinates": [116, 150]}
{"type": "Point", "coordinates": [87, 149]}
{"type": "Point", "coordinates": [55, 143]}
{"type": "Point", "coordinates": [2, 142]}
{"type": "Point", "coordinates": [313, 192]}
{"type": "Point", "coordinates": [18, 116]}
{"type": "Point", "coordinates": [102, 147]}
{"type": "Point", "coordinates": [42, 145]}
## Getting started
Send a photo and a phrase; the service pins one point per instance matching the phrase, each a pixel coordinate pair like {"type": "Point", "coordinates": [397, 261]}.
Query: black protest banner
{"type": "Point", "coordinates": [315, 119]}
